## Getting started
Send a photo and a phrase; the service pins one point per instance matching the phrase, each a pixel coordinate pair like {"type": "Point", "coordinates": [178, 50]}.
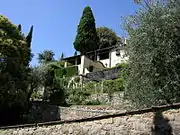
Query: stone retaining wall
{"type": "Point", "coordinates": [42, 112]}
{"type": "Point", "coordinates": [116, 101]}
{"type": "Point", "coordinates": [142, 122]}
{"type": "Point", "coordinates": [106, 74]}
{"type": "Point", "coordinates": [68, 113]}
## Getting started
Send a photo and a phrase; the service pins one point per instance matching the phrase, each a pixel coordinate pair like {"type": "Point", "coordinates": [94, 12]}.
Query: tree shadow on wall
{"type": "Point", "coordinates": [161, 125]}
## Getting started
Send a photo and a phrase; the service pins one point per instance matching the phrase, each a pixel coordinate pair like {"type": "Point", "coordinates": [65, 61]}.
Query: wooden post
{"type": "Point", "coordinates": [65, 64]}
{"type": "Point", "coordinates": [102, 84]}
{"type": "Point", "coordinates": [109, 59]}
{"type": "Point", "coordinates": [98, 57]}
{"type": "Point", "coordinates": [76, 61]}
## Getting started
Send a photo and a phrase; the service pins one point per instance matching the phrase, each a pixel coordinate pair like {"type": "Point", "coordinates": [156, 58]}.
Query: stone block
{"type": "Point", "coordinates": [95, 130]}
{"type": "Point", "coordinates": [177, 117]}
{"type": "Point", "coordinates": [107, 127]}
{"type": "Point", "coordinates": [107, 121]}
{"type": "Point", "coordinates": [139, 126]}
{"type": "Point", "coordinates": [117, 121]}
{"type": "Point", "coordinates": [85, 129]}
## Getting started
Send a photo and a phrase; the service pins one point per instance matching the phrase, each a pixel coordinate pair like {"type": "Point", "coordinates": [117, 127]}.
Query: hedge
{"type": "Point", "coordinates": [71, 71]}
{"type": "Point", "coordinates": [113, 85]}
{"type": "Point", "coordinates": [60, 72]}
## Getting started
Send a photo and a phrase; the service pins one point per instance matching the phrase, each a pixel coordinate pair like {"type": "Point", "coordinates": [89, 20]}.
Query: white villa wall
{"type": "Point", "coordinates": [79, 68]}
{"type": "Point", "coordinates": [114, 59]}
{"type": "Point", "coordinates": [118, 59]}
{"type": "Point", "coordinates": [86, 71]}
{"type": "Point", "coordinates": [106, 61]}
{"type": "Point", "coordinates": [86, 62]}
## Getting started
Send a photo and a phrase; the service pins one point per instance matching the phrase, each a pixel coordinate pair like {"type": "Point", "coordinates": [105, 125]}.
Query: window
{"type": "Point", "coordinates": [90, 68]}
{"type": "Point", "coordinates": [104, 56]}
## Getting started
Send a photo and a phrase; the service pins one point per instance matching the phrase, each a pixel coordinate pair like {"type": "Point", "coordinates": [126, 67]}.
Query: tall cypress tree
{"type": "Point", "coordinates": [19, 27]}
{"type": "Point", "coordinates": [29, 36]}
{"type": "Point", "coordinates": [75, 53]}
{"type": "Point", "coordinates": [62, 56]}
{"type": "Point", "coordinates": [86, 39]}
{"type": "Point", "coordinates": [29, 40]}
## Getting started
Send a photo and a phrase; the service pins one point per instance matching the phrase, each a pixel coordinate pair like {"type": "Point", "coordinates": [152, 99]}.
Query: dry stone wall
{"type": "Point", "coordinates": [106, 74]}
{"type": "Point", "coordinates": [70, 113]}
{"type": "Point", "coordinates": [116, 101]}
{"type": "Point", "coordinates": [43, 112]}
{"type": "Point", "coordinates": [148, 122]}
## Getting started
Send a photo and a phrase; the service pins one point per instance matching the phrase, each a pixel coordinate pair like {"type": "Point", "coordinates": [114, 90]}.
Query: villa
{"type": "Point", "coordinates": [98, 60]}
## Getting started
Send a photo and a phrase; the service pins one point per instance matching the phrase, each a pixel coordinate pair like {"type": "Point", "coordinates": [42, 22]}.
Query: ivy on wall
{"type": "Point", "coordinates": [71, 71]}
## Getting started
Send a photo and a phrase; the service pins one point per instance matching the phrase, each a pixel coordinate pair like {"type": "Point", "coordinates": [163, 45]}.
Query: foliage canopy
{"type": "Point", "coordinates": [46, 56]}
{"type": "Point", "coordinates": [86, 39]}
{"type": "Point", "coordinates": [154, 54]}
{"type": "Point", "coordinates": [15, 55]}
{"type": "Point", "coordinates": [107, 37]}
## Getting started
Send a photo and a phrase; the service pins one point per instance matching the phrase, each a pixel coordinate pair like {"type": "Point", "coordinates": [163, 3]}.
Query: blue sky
{"type": "Point", "coordinates": [55, 21]}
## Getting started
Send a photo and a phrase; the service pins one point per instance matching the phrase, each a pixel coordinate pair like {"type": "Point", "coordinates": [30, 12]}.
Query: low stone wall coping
{"type": "Point", "coordinates": [153, 109]}
{"type": "Point", "coordinates": [88, 110]}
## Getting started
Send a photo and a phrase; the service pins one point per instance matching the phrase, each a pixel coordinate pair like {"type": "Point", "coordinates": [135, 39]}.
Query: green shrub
{"type": "Point", "coordinates": [57, 98]}
{"type": "Point", "coordinates": [124, 71]}
{"type": "Point", "coordinates": [60, 72]}
{"type": "Point", "coordinates": [154, 51]}
{"type": "Point", "coordinates": [122, 65]}
{"type": "Point", "coordinates": [77, 79]}
{"type": "Point", "coordinates": [124, 74]}
{"type": "Point", "coordinates": [90, 86]}
{"type": "Point", "coordinates": [62, 63]}
{"type": "Point", "coordinates": [71, 71]}
{"type": "Point", "coordinates": [93, 102]}
{"type": "Point", "coordinates": [107, 86]}
{"type": "Point", "coordinates": [36, 95]}
{"type": "Point", "coordinates": [113, 85]}
{"type": "Point", "coordinates": [77, 96]}
{"type": "Point", "coordinates": [57, 92]}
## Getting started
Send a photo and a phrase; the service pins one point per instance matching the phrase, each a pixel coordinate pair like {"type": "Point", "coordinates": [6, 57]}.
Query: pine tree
{"type": "Point", "coordinates": [86, 39]}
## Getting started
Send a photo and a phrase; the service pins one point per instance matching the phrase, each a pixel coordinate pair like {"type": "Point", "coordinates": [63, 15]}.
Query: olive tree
{"type": "Point", "coordinates": [154, 55]}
